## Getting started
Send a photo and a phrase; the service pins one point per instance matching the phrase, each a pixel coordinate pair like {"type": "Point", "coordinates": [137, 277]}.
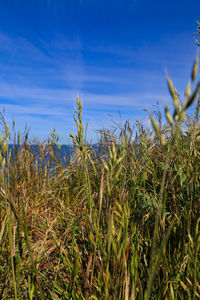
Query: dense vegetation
{"type": "Point", "coordinates": [120, 221]}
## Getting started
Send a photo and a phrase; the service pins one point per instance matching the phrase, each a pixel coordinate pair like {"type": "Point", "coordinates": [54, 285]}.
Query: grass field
{"type": "Point", "coordinates": [120, 221]}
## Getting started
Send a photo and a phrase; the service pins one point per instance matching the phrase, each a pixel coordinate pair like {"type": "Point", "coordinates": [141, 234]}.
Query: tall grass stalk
{"type": "Point", "coordinates": [117, 221]}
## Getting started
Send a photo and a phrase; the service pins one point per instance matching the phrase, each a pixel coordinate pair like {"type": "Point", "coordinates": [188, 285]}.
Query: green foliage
{"type": "Point", "coordinates": [120, 221]}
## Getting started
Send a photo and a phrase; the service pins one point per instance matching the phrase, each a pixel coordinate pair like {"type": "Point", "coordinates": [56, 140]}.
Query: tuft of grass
{"type": "Point", "coordinates": [117, 221]}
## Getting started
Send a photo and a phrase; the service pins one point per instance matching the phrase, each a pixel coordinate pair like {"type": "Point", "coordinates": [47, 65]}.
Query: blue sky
{"type": "Point", "coordinates": [112, 54]}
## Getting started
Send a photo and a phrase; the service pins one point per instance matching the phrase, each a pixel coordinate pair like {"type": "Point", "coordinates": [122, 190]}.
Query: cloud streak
{"type": "Point", "coordinates": [41, 80]}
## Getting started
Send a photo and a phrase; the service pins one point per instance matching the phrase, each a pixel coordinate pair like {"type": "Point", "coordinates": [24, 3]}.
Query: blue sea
{"type": "Point", "coordinates": [63, 152]}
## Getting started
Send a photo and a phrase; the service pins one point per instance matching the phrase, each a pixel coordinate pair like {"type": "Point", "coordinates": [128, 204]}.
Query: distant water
{"type": "Point", "coordinates": [63, 153]}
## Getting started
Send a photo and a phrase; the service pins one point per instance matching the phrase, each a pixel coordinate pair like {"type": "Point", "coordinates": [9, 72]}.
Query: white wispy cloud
{"type": "Point", "coordinates": [55, 97]}
{"type": "Point", "coordinates": [39, 82]}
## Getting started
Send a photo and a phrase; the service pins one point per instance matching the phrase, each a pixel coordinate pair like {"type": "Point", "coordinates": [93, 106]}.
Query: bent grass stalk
{"type": "Point", "coordinates": [120, 221]}
{"type": "Point", "coordinates": [178, 118]}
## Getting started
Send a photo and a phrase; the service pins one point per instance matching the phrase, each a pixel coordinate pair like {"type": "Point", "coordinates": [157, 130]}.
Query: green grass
{"type": "Point", "coordinates": [119, 222]}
